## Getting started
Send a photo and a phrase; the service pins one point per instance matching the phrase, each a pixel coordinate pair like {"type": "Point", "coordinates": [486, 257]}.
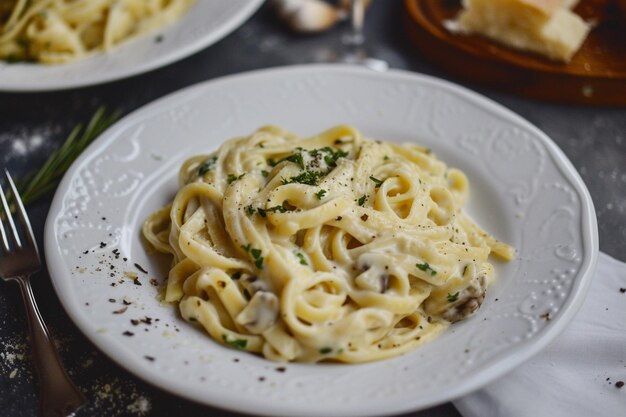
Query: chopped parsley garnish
{"type": "Point", "coordinates": [331, 156]}
{"type": "Point", "coordinates": [331, 159]}
{"type": "Point", "coordinates": [307, 177]}
{"type": "Point", "coordinates": [280, 209]}
{"type": "Point", "coordinates": [453, 297]}
{"type": "Point", "coordinates": [258, 259]}
{"type": "Point", "coordinates": [207, 165]}
{"type": "Point", "coordinates": [265, 173]}
{"type": "Point", "coordinates": [247, 247]}
{"type": "Point", "coordinates": [259, 262]}
{"type": "Point", "coordinates": [302, 259]}
{"type": "Point", "coordinates": [320, 194]}
{"type": "Point", "coordinates": [325, 350]}
{"type": "Point", "coordinates": [263, 212]}
{"type": "Point", "coordinates": [362, 199]}
{"type": "Point", "coordinates": [296, 158]}
{"type": "Point", "coordinates": [232, 178]}
{"type": "Point", "coordinates": [376, 181]}
{"type": "Point", "coordinates": [425, 267]}
{"type": "Point", "coordinates": [260, 145]}
{"type": "Point", "coordinates": [310, 176]}
{"type": "Point", "coordinates": [236, 343]}
{"type": "Point", "coordinates": [385, 158]}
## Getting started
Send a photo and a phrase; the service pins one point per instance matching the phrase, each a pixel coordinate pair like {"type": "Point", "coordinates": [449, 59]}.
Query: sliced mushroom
{"type": "Point", "coordinates": [253, 284]}
{"type": "Point", "coordinates": [468, 301]}
{"type": "Point", "coordinates": [261, 312]}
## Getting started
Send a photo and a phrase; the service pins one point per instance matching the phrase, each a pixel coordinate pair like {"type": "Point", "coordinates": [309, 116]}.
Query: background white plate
{"type": "Point", "coordinates": [204, 24]}
{"type": "Point", "coordinates": [523, 190]}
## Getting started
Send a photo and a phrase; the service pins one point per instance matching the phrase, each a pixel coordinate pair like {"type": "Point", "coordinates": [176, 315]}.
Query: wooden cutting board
{"type": "Point", "coordinates": [596, 75]}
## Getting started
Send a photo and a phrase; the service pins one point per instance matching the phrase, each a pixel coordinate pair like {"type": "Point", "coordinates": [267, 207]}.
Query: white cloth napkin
{"type": "Point", "coordinates": [577, 374]}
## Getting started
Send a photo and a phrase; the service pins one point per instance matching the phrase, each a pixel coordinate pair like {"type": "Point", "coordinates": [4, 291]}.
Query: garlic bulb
{"type": "Point", "coordinates": [309, 15]}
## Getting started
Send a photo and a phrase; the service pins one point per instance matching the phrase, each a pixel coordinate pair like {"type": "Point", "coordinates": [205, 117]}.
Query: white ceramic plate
{"type": "Point", "coordinates": [523, 190]}
{"type": "Point", "coordinates": [206, 23]}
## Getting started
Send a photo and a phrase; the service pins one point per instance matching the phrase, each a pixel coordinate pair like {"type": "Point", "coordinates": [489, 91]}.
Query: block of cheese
{"type": "Point", "coordinates": [547, 27]}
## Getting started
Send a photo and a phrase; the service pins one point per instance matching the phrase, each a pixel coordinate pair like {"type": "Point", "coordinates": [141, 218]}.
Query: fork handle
{"type": "Point", "coordinates": [58, 396]}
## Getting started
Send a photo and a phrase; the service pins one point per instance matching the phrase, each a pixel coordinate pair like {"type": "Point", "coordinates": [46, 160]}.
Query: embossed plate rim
{"type": "Point", "coordinates": [496, 366]}
{"type": "Point", "coordinates": [82, 73]}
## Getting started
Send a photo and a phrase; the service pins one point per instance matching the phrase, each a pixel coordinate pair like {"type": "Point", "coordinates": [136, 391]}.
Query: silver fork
{"type": "Point", "coordinates": [19, 258]}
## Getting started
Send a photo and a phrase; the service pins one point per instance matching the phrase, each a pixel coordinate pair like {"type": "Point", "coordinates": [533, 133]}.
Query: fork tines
{"type": "Point", "coordinates": [11, 233]}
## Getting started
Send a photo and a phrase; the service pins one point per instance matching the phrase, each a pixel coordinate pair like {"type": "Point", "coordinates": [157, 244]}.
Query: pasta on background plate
{"type": "Point", "coordinates": [61, 31]}
{"type": "Point", "coordinates": [332, 247]}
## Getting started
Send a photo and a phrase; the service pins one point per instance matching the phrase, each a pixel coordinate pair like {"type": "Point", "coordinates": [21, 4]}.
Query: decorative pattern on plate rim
{"type": "Point", "coordinates": [523, 190]}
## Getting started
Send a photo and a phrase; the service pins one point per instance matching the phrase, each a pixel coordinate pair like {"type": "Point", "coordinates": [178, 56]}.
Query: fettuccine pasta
{"type": "Point", "coordinates": [60, 31]}
{"type": "Point", "coordinates": [332, 247]}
